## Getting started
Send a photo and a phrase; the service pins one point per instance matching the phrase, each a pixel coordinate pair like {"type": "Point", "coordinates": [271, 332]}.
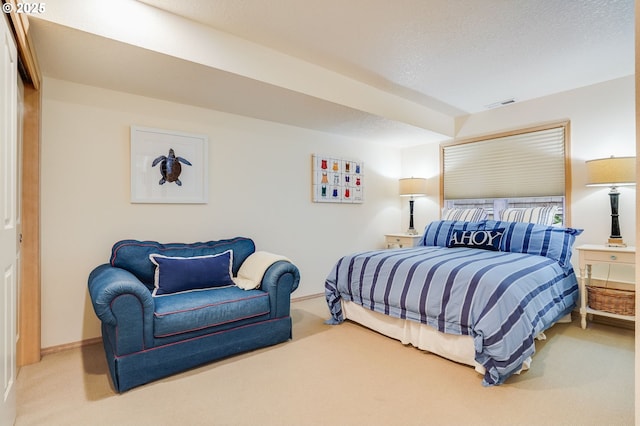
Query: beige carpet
{"type": "Point", "coordinates": [345, 375]}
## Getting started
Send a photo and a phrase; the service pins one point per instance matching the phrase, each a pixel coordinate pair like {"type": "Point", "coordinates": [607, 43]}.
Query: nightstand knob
{"type": "Point", "coordinates": [613, 257]}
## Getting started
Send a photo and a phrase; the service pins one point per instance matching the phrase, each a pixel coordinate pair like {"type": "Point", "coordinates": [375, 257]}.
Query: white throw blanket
{"type": "Point", "coordinates": [253, 268]}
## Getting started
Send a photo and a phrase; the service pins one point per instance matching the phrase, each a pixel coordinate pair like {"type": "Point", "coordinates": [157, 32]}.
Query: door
{"type": "Point", "coordinates": [9, 251]}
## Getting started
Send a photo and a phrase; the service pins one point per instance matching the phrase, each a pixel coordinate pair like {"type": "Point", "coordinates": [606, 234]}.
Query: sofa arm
{"type": "Point", "coordinates": [123, 304]}
{"type": "Point", "coordinates": [280, 280]}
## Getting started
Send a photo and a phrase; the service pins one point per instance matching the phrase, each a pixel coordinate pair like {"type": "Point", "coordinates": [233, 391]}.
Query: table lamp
{"type": "Point", "coordinates": [412, 187]}
{"type": "Point", "coordinates": [612, 172]}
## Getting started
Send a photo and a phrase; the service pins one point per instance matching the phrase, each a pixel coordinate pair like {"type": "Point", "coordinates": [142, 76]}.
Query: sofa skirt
{"type": "Point", "coordinates": [142, 367]}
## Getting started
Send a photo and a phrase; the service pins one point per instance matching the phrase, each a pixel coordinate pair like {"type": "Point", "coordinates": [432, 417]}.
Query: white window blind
{"type": "Point", "coordinates": [524, 165]}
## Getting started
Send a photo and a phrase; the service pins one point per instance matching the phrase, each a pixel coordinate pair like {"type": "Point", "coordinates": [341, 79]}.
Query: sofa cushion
{"type": "Point", "coordinates": [191, 311]}
{"type": "Point", "coordinates": [133, 255]}
{"type": "Point", "coordinates": [177, 274]}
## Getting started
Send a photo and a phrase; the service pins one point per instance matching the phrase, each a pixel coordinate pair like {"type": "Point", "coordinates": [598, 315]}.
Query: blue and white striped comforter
{"type": "Point", "coordinates": [501, 299]}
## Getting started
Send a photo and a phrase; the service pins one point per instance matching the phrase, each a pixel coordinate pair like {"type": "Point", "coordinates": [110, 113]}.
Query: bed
{"type": "Point", "coordinates": [476, 292]}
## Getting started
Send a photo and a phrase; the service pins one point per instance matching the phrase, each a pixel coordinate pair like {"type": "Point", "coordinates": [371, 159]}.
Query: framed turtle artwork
{"type": "Point", "coordinates": [168, 166]}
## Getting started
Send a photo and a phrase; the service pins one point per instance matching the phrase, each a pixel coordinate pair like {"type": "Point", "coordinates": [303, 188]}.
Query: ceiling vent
{"type": "Point", "coordinates": [501, 103]}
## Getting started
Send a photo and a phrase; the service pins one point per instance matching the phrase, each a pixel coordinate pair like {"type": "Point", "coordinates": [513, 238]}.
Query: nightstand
{"type": "Point", "coordinates": [593, 253]}
{"type": "Point", "coordinates": [401, 240]}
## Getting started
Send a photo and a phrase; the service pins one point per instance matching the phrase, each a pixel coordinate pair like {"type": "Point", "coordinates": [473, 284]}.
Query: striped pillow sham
{"type": "Point", "coordinates": [465, 215]}
{"type": "Point", "coordinates": [539, 215]}
{"type": "Point", "coordinates": [553, 242]}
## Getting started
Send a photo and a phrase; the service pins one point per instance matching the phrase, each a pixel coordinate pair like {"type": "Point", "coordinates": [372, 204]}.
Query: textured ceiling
{"type": "Point", "coordinates": [451, 57]}
{"type": "Point", "coordinates": [70, 54]}
{"type": "Point", "coordinates": [459, 55]}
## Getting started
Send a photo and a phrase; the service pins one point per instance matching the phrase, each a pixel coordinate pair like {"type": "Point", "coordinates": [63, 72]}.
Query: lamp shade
{"type": "Point", "coordinates": [613, 171]}
{"type": "Point", "coordinates": [413, 186]}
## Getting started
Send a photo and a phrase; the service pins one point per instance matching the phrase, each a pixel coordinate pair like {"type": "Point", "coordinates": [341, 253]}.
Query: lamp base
{"type": "Point", "coordinates": [615, 238]}
{"type": "Point", "coordinates": [616, 242]}
{"type": "Point", "coordinates": [412, 231]}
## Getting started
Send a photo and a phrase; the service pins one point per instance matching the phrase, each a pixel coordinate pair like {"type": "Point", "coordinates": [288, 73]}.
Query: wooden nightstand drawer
{"type": "Point", "coordinates": [401, 240]}
{"type": "Point", "coordinates": [617, 257]}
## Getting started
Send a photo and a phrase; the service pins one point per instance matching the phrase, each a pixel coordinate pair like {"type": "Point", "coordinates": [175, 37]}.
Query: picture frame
{"type": "Point", "coordinates": [337, 180]}
{"type": "Point", "coordinates": [168, 166]}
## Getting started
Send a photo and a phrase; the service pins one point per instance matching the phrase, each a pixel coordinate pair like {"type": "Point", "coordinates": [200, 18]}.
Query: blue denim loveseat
{"type": "Point", "coordinates": [147, 337]}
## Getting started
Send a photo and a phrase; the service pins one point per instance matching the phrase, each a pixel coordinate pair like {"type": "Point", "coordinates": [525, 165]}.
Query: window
{"type": "Point", "coordinates": [525, 168]}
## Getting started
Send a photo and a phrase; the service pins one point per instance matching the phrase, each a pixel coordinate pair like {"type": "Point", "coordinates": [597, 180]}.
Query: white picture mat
{"type": "Point", "coordinates": [337, 180]}
{"type": "Point", "coordinates": [148, 144]}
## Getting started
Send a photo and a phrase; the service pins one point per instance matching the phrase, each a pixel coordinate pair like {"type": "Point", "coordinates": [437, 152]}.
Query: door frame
{"type": "Point", "coordinates": [29, 325]}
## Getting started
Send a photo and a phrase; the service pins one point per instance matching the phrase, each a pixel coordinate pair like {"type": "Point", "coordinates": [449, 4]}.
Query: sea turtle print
{"type": "Point", "coordinates": [170, 167]}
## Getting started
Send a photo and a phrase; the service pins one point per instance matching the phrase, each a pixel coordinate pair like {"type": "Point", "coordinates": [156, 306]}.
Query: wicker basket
{"type": "Point", "coordinates": [621, 302]}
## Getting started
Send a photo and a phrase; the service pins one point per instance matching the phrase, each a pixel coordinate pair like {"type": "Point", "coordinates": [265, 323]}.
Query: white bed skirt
{"type": "Point", "coordinates": [453, 347]}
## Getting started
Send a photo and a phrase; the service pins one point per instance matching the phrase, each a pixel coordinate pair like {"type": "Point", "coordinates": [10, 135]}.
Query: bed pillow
{"type": "Point", "coordinates": [466, 215]}
{"type": "Point", "coordinates": [553, 242]}
{"type": "Point", "coordinates": [481, 239]}
{"type": "Point", "coordinates": [539, 215]}
{"type": "Point", "coordinates": [181, 274]}
{"type": "Point", "coordinates": [439, 232]}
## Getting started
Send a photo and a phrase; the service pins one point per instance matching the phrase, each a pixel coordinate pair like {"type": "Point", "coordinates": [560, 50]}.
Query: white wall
{"type": "Point", "coordinates": [259, 187]}
{"type": "Point", "coordinates": [602, 121]}
{"type": "Point", "coordinates": [259, 183]}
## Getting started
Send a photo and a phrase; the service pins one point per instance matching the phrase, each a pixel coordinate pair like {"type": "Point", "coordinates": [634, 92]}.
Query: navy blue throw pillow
{"type": "Point", "coordinates": [180, 274]}
{"type": "Point", "coordinates": [485, 240]}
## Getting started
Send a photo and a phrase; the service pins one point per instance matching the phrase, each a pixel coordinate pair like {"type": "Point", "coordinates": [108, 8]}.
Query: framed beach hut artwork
{"type": "Point", "coordinates": [168, 166]}
{"type": "Point", "coordinates": [337, 180]}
